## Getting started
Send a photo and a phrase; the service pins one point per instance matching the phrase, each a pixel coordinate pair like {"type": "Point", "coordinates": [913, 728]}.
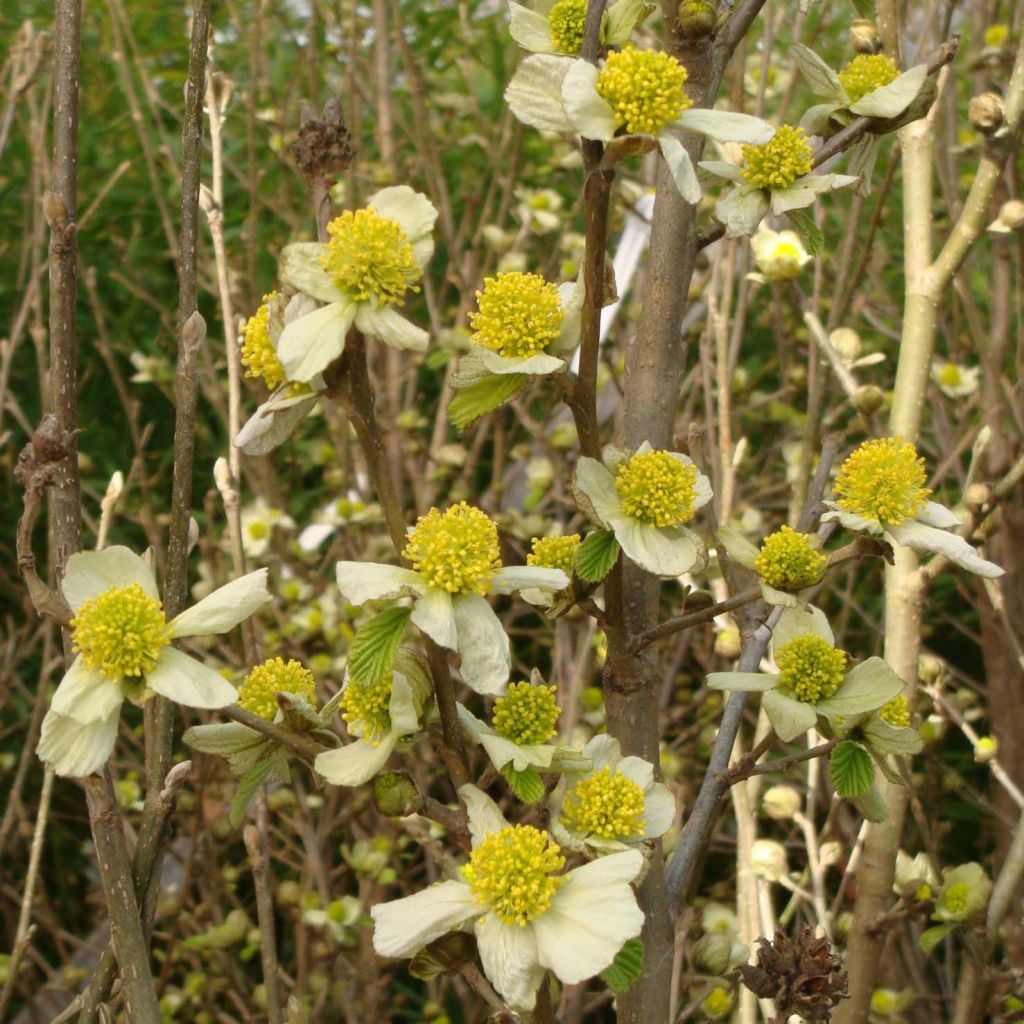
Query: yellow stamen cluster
{"type": "Point", "coordinates": [949, 374]}
{"type": "Point", "coordinates": [605, 804]}
{"type": "Point", "coordinates": [368, 705]}
{"type": "Point", "coordinates": [644, 88]}
{"type": "Point", "coordinates": [787, 561]}
{"type": "Point", "coordinates": [455, 550]}
{"type": "Point", "coordinates": [955, 898]}
{"type": "Point", "coordinates": [527, 714]}
{"type": "Point", "coordinates": [519, 315]}
{"type": "Point", "coordinates": [883, 480]}
{"type": "Point", "coordinates": [258, 529]}
{"type": "Point", "coordinates": [996, 35]}
{"type": "Point", "coordinates": [780, 161]}
{"type": "Point", "coordinates": [866, 73]}
{"type": "Point", "coordinates": [566, 21]}
{"type": "Point", "coordinates": [657, 488]}
{"type": "Point", "coordinates": [512, 873]}
{"type": "Point", "coordinates": [121, 632]}
{"type": "Point", "coordinates": [555, 552]}
{"type": "Point", "coordinates": [259, 356]}
{"type": "Point", "coordinates": [896, 713]}
{"type": "Point", "coordinates": [258, 693]}
{"type": "Point", "coordinates": [369, 257]}
{"type": "Point", "coordinates": [811, 667]}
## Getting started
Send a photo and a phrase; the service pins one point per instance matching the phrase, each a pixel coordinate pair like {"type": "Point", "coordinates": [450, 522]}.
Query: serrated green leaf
{"type": "Point", "coordinates": [809, 232]}
{"type": "Point", "coordinates": [248, 785]}
{"type": "Point", "coordinates": [931, 937]}
{"type": "Point", "coordinates": [852, 769]}
{"type": "Point", "coordinates": [596, 555]}
{"type": "Point", "coordinates": [374, 647]}
{"type": "Point", "coordinates": [483, 397]}
{"type": "Point", "coordinates": [527, 785]}
{"type": "Point", "coordinates": [626, 967]}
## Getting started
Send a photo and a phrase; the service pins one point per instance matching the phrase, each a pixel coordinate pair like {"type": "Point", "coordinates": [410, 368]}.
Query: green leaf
{"type": "Point", "coordinates": [933, 936]}
{"type": "Point", "coordinates": [626, 967]}
{"type": "Point", "coordinates": [809, 232]}
{"type": "Point", "coordinates": [374, 647]}
{"type": "Point", "coordinates": [865, 8]}
{"type": "Point", "coordinates": [852, 769]}
{"type": "Point", "coordinates": [248, 785]}
{"type": "Point", "coordinates": [483, 397]}
{"type": "Point", "coordinates": [527, 785]}
{"type": "Point", "coordinates": [596, 556]}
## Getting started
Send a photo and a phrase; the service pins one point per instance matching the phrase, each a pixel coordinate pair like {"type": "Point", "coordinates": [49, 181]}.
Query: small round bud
{"type": "Point", "coordinates": [395, 794]}
{"type": "Point", "coordinates": [864, 36]}
{"type": "Point", "coordinates": [781, 803]}
{"type": "Point", "coordinates": [930, 669]}
{"type": "Point", "coordinates": [1011, 217]}
{"type": "Point", "coordinates": [288, 893]}
{"type": "Point", "coordinates": [768, 859]}
{"type": "Point", "coordinates": [697, 18]}
{"type": "Point", "coordinates": [846, 342]}
{"type": "Point", "coordinates": [986, 112]}
{"type": "Point", "coordinates": [844, 922]}
{"type": "Point", "coordinates": [986, 749]}
{"type": "Point", "coordinates": [718, 1003]}
{"type": "Point", "coordinates": [977, 497]}
{"type": "Point", "coordinates": [728, 644]}
{"type": "Point", "coordinates": [868, 399]}
{"type": "Point", "coordinates": [933, 728]}
{"type": "Point", "coordinates": [830, 853]}
{"type": "Point", "coordinates": [713, 951]}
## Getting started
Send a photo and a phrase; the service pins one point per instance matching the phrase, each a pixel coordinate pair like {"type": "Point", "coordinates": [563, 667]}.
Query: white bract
{"type": "Point", "coordinates": [527, 918]}
{"type": "Point", "coordinates": [125, 651]}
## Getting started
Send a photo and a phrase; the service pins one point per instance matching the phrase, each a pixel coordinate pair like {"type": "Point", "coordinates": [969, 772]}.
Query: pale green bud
{"type": "Point", "coordinates": [781, 803]}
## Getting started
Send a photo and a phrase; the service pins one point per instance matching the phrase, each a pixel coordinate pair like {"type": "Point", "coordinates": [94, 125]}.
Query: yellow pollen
{"type": "Point", "coordinates": [955, 898]}
{"type": "Point", "coordinates": [121, 632]}
{"type": "Point", "coordinates": [519, 315]}
{"type": "Point", "coordinates": [644, 88]}
{"type": "Point", "coordinates": [259, 357]}
{"type": "Point", "coordinates": [811, 667]}
{"type": "Point", "coordinates": [787, 561]}
{"type": "Point", "coordinates": [780, 161]}
{"type": "Point", "coordinates": [996, 35]}
{"type": "Point", "coordinates": [657, 488]}
{"type": "Point", "coordinates": [258, 529]}
{"type": "Point", "coordinates": [866, 73]}
{"type": "Point", "coordinates": [455, 550]}
{"type": "Point", "coordinates": [896, 712]}
{"type": "Point", "coordinates": [605, 804]}
{"type": "Point", "coordinates": [949, 374]}
{"type": "Point", "coordinates": [368, 705]}
{"type": "Point", "coordinates": [566, 20]}
{"type": "Point", "coordinates": [883, 480]}
{"type": "Point", "coordinates": [258, 693]}
{"type": "Point", "coordinates": [369, 257]}
{"type": "Point", "coordinates": [555, 552]}
{"type": "Point", "coordinates": [527, 714]}
{"type": "Point", "coordinates": [512, 873]}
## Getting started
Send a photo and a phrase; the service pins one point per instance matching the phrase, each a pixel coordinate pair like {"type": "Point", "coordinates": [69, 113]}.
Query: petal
{"type": "Point", "coordinates": [360, 582]}
{"type": "Point", "coordinates": [820, 78]}
{"type": "Point", "coordinates": [604, 751]}
{"type": "Point", "coordinates": [892, 99]}
{"type": "Point", "coordinates": [789, 717]}
{"type": "Point", "coordinates": [86, 695]}
{"type": "Point", "coordinates": [311, 343]}
{"type": "Point", "coordinates": [354, 763]}
{"type": "Point", "coordinates": [538, 365]}
{"type": "Point", "coordinates": [482, 645]}
{"type": "Point", "coordinates": [587, 112]}
{"type": "Point", "coordinates": [404, 926]}
{"type": "Point", "coordinates": [849, 520]}
{"type": "Point", "coordinates": [867, 686]}
{"type": "Point", "coordinates": [794, 198]}
{"type": "Point", "coordinates": [815, 119]}
{"type": "Point", "coordinates": [623, 17]}
{"type": "Point", "coordinates": [269, 427]}
{"type": "Point", "coordinates": [535, 93]}
{"type": "Point", "coordinates": [433, 613]}
{"type": "Point", "coordinates": [414, 213]}
{"type": "Point", "coordinates": [225, 608]}
{"type": "Point", "coordinates": [502, 752]}
{"type": "Point", "coordinates": [530, 29]}
{"type": "Point", "coordinates": [483, 813]}
{"type": "Point", "coordinates": [536, 577]}
{"type": "Point", "coordinates": [392, 328]}
{"type": "Point", "coordinates": [661, 550]}
{"type": "Point", "coordinates": [741, 211]}
{"type": "Point", "coordinates": [659, 810]}
{"type": "Point", "coordinates": [886, 739]}
{"type": "Point", "coordinates": [184, 680]}
{"type": "Point", "coordinates": [680, 166]}
{"type": "Point", "coordinates": [919, 537]}
{"type": "Point", "coordinates": [301, 268]}
{"type": "Point", "coordinates": [90, 573]}
{"type": "Point", "coordinates": [73, 749]}
{"type": "Point", "coordinates": [702, 490]}
{"type": "Point", "coordinates": [934, 514]}
{"type": "Point", "coordinates": [723, 169]}
{"type": "Point", "coordinates": [726, 125]}
{"type": "Point", "coordinates": [590, 918]}
{"type": "Point", "coordinates": [508, 954]}
{"type": "Point", "coordinates": [598, 487]}
{"type": "Point", "coordinates": [800, 622]}
{"type": "Point", "coordinates": [736, 546]}
{"type": "Point", "coordinates": [405, 718]}
{"type": "Point", "coordinates": [742, 682]}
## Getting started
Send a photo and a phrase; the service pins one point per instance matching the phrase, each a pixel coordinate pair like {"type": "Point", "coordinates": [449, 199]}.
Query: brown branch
{"type": "Point", "coordinates": [681, 622]}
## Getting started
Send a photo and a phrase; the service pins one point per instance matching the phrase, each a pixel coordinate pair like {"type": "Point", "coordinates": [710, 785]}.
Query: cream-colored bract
{"type": "Point", "coordinates": [591, 916]}
{"type": "Point", "coordinates": [310, 343]}
{"type": "Point", "coordinates": [464, 623]}
{"type": "Point", "coordinates": [80, 729]}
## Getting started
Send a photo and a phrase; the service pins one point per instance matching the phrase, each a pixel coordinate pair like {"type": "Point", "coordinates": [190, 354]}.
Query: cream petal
{"type": "Point", "coordinates": [736, 546]}
{"type": "Point", "coordinates": [821, 79]}
{"type": "Point", "coordinates": [354, 763]}
{"type": "Point", "coordinates": [90, 573]}
{"type": "Point", "coordinates": [269, 427]}
{"type": "Point", "coordinates": [867, 686]}
{"type": "Point", "coordinates": [530, 29]}
{"type": "Point", "coordinates": [225, 608]}
{"type": "Point", "coordinates": [598, 487]}
{"type": "Point", "coordinates": [85, 694]}
{"type": "Point", "coordinates": [742, 682]}
{"type": "Point", "coordinates": [433, 613]}
{"type": "Point", "coordinates": [850, 521]}
{"type": "Point", "coordinates": [590, 918]}
{"type": "Point", "coordinates": [587, 112]}
{"type": "Point", "coordinates": [360, 582]}
{"type": "Point", "coordinates": [311, 343]}
{"type": "Point", "coordinates": [790, 718]}
{"type": "Point", "coordinates": [660, 550]}
{"type": "Point", "coordinates": [702, 491]}
{"type": "Point", "coordinates": [659, 810]}
{"type": "Point", "coordinates": [402, 927]}
{"type": "Point", "coordinates": [741, 211]}
{"type": "Point", "coordinates": [623, 17]}
{"type": "Point", "coordinates": [482, 811]}
{"type": "Point", "coordinates": [482, 645]}
{"type": "Point", "coordinates": [604, 751]}
{"type": "Point", "coordinates": [723, 169]}
{"type": "Point", "coordinates": [934, 514]}
{"type": "Point", "coordinates": [794, 198]}
{"type": "Point", "coordinates": [405, 718]}
{"type": "Point", "coordinates": [816, 118]}
{"type": "Point", "coordinates": [726, 125]}
{"type": "Point", "coordinates": [535, 577]}
{"type": "Point", "coordinates": [637, 770]}
{"type": "Point", "coordinates": [535, 93]}
{"type": "Point", "coordinates": [414, 213]}
{"type": "Point", "coordinates": [508, 954]}
{"type": "Point", "coordinates": [73, 749]}
{"type": "Point", "coordinates": [819, 183]}
{"type": "Point", "coordinates": [796, 622]}
{"type": "Point", "coordinates": [680, 166]}
{"type": "Point", "coordinates": [892, 99]}
{"type": "Point", "coordinates": [300, 267]}
{"type": "Point", "coordinates": [919, 537]}
{"type": "Point", "coordinates": [392, 328]}
{"type": "Point", "coordinates": [502, 752]}
{"type": "Point", "coordinates": [538, 365]}
{"type": "Point", "coordinates": [184, 680]}
{"type": "Point", "coordinates": [773, 596]}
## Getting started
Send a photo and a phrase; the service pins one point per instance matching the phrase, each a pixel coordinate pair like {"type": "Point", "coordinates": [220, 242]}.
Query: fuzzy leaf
{"type": "Point", "coordinates": [248, 785]}
{"type": "Point", "coordinates": [931, 937]}
{"type": "Point", "coordinates": [865, 8]}
{"type": "Point", "coordinates": [809, 232]}
{"type": "Point", "coordinates": [851, 768]}
{"type": "Point", "coordinates": [373, 650]}
{"type": "Point", "coordinates": [526, 785]}
{"type": "Point", "coordinates": [483, 397]}
{"type": "Point", "coordinates": [596, 556]}
{"type": "Point", "coordinates": [626, 967]}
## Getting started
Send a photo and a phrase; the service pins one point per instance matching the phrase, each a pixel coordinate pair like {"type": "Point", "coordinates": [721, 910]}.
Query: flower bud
{"type": "Point", "coordinates": [887, 1002]}
{"type": "Point", "coordinates": [717, 1003]}
{"type": "Point", "coordinates": [964, 895]}
{"type": "Point", "coordinates": [986, 749]}
{"type": "Point", "coordinates": [830, 853]}
{"type": "Point", "coordinates": [930, 668]}
{"type": "Point", "coordinates": [395, 794]}
{"type": "Point", "coordinates": [1011, 217]}
{"type": "Point", "coordinates": [781, 803]}
{"type": "Point", "coordinates": [768, 859]}
{"type": "Point", "coordinates": [977, 497]}
{"type": "Point", "coordinates": [846, 342]}
{"type": "Point", "coordinates": [986, 113]}
{"type": "Point", "coordinates": [867, 399]}
{"type": "Point", "coordinates": [864, 36]}
{"type": "Point", "coordinates": [697, 18]}
{"type": "Point", "coordinates": [288, 893]}
{"type": "Point", "coordinates": [728, 644]}
{"type": "Point", "coordinates": [713, 952]}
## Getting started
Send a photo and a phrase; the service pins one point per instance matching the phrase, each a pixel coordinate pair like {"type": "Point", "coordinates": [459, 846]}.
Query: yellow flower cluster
{"type": "Point", "coordinates": [519, 315]}
{"type": "Point", "coordinates": [644, 88]}
{"type": "Point", "coordinates": [527, 714]}
{"type": "Point", "coordinates": [866, 73]}
{"type": "Point", "coordinates": [896, 713]}
{"type": "Point", "coordinates": [883, 480]}
{"type": "Point", "coordinates": [811, 667]}
{"type": "Point", "coordinates": [657, 488]}
{"type": "Point", "coordinates": [369, 257]}
{"type": "Point", "coordinates": [788, 562]}
{"type": "Point", "coordinates": [368, 705]}
{"type": "Point", "coordinates": [258, 693]}
{"type": "Point", "coordinates": [121, 632]}
{"type": "Point", "coordinates": [566, 21]}
{"type": "Point", "coordinates": [555, 552]}
{"type": "Point", "coordinates": [258, 355]}
{"type": "Point", "coordinates": [605, 804]}
{"type": "Point", "coordinates": [780, 161]}
{"type": "Point", "coordinates": [455, 550]}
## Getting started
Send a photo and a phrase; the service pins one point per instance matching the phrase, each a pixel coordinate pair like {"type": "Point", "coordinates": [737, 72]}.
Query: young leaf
{"type": "Point", "coordinates": [931, 937]}
{"type": "Point", "coordinates": [248, 785]}
{"type": "Point", "coordinates": [483, 397]}
{"type": "Point", "coordinates": [626, 966]}
{"type": "Point", "coordinates": [809, 232]}
{"type": "Point", "coordinates": [373, 650]}
{"type": "Point", "coordinates": [596, 556]}
{"type": "Point", "coordinates": [851, 768]}
{"type": "Point", "coordinates": [526, 785]}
